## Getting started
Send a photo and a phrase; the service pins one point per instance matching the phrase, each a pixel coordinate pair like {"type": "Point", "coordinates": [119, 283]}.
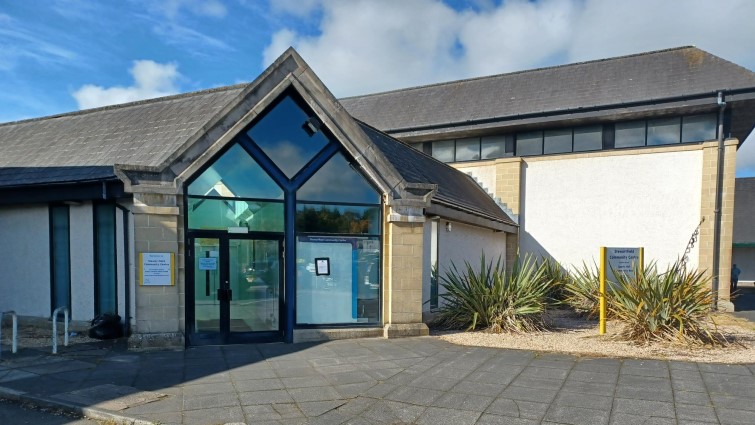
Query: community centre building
{"type": "Point", "coordinates": [272, 211]}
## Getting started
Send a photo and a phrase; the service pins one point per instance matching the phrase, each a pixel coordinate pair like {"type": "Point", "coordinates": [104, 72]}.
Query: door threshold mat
{"type": "Point", "coordinates": [110, 397]}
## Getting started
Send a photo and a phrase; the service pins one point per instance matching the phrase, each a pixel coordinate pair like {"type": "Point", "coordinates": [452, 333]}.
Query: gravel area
{"type": "Point", "coordinates": [574, 335]}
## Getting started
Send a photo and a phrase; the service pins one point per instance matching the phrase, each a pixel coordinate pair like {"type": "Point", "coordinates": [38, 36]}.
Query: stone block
{"type": "Point", "coordinates": [400, 330]}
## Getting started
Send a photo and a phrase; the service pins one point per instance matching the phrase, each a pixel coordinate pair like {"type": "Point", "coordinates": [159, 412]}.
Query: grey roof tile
{"type": "Point", "coordinates": [647, 76]}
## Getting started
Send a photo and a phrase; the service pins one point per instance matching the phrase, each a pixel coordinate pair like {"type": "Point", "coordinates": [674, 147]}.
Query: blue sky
{"type": "Point", "coordinates": [63, 55]}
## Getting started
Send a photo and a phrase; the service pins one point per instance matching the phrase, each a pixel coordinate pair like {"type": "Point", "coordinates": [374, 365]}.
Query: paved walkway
{"type": "Point", "coordinates": [378, 381]}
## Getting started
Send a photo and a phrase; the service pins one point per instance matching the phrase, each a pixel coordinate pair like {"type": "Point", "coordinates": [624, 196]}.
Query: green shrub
{"type": "Point", "coordinates": [581, 291]}
{"type": "Point", "coordinates": [671, 306]}
{"type": "Point", "coordinates": [557, 277]}
{"type": "Point", "coordinates": [492, 299]}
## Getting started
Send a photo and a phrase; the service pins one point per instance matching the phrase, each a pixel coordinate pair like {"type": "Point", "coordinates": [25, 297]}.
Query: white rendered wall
{"type": "Point", "coordinates": [461, 243]}
{"type": "Point", "coordinates": [483, 172]}
{"type": "Point", "coordinates": [571, 207]}
{"type": "Point", "coordinates": [82, 262]}
{"type": "Point", "coordinates": [25, 260]}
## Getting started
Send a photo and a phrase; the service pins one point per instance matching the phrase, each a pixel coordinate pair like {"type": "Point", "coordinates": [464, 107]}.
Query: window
{"type": "Point", "coordinates": [663, 131]}
{"type": "Point", "coordinates": [60, 248]}
{"type": "Point", "coordinates": [284, 135]}
{"type": "Point", "coordinates": [497, 146]}
{"type": "Point", "coordinates": [557, 141]}
{"type": "Point", "coordinates": [529, 143]}
{"type": "Point", "coordinates": [628, 134]}
{"type": "Point", "coordinates": [337, 219]}
{"type": "Point", "coordinates": [588, 138]}
{"type": "Point", "coordinates": [104, 259]}
{"type": "Point", "coordinates": [444, 150]}
{"type": "Point", "coordinates": [467, 149]}
{"type": "Point", "coordinates": [698, 128]}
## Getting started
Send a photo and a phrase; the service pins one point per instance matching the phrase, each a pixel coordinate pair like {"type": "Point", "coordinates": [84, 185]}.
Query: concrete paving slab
{"type": "Point", "coordinates": [110, 397]}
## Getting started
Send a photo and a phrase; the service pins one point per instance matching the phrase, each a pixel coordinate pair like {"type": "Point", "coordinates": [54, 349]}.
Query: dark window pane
{"type": "Point", "coordinates": [467, 149]}
{"type": "Point", "coordinates": [529, 143]}
{"type": "Point", "coordinates": [629, 134]}
{"type": "Point", "coordinates": [699, 128]}
{"type": "Point", "coordinates": [235, 175]}
{"type": "Point", "coordinates": [495, 147]}
{"type": "Point", "coordinates": [337, 181]}
{"type": "Point", "coordinates": [104, 215]}
{"type": "Point", "coordinates": [220, 214]}
{"type": "Point", "coordinates": [61, 257]}
{"type": "Point", "coordinates": [663, 131]}
{"type": "Point", "coordinates": [444, 150]}
{"type": "Point", "coordinates": [557, 141]}
{"type": "Point", "coordinates": [350, 293]}
{"type": "Point", "coordinates": [318, 218]}
{"type": "Point", "coordinates": [588, 138]}
{"type": "Point", "coordinates": [281, 135]}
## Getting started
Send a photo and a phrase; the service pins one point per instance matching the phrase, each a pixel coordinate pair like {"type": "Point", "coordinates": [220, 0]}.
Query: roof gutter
{"type": "Point", "coordinates": [719, 200]}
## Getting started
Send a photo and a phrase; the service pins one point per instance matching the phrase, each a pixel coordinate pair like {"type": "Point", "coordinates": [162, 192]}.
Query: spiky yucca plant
{"type": "Point", "coordinates": [492, 299]}
{"type": "Point", "coordinates": [673, 305]}
{"type": "Point", "coordinates": [582, 291]}
{"type": "Point", "coordinates": [558, 277]}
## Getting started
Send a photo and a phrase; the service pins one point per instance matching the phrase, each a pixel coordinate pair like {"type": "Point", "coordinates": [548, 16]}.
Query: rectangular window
{"type": "Point", "coordinates": [557, 141]}
{"type": "Point", "coordinates": [60, 248]}
{"type": "Point", "coordinates": [468, 149]}
{"type": "Point", "coordinates": [444, 150]}
{"type": "Point", "coordinates": [349, 292]}
{"type": "Point", "coordinates": [699, 128]}
{"type": "Point", "coordinates": [663, 131]}
{"type": "Point", "coordinates": [628, 134]}
{"type": "Point", "coordinates": [494, 147]}
{"type": "Point", "coordinates": [588, 138]}
{"type": "Point", "coordinates": [529, 143]}
{"type": "Point", "coordinates": [104, 259]}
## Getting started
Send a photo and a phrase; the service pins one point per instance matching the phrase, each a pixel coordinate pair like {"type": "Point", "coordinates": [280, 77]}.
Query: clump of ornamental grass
{"type": "Point", "coordinates": [674, 305]}
{"type": "Point", "coordinates": [581, 292]}
{"type": "Point", "coordinates": [558, 278]}
{"type": "Point", "coordinates": [492, 299]}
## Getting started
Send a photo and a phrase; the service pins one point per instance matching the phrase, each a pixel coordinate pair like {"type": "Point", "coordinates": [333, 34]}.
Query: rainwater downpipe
{"type": "Point", "coordinates": [127, 268]}
{"type": "Point", "coordinates": [719, 200]}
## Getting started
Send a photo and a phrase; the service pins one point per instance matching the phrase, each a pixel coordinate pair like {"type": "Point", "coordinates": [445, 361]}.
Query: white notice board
{"type": "Point", "coordinates": [156, 268]}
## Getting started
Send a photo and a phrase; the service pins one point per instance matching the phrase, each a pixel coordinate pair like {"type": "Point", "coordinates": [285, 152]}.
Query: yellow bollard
{"type": "Point", "coordinates": [602, 290]}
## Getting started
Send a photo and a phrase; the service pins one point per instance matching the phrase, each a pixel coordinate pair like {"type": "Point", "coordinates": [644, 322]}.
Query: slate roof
{"type": "Point", "coordinates": [653, 75]}
{"type": "Point", "coordinates": [85, 145]}
{"type": "Point", "coordinates": [455, 189]}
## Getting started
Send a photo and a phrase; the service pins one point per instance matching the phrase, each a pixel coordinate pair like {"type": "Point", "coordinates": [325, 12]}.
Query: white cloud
{"type": "Point", "coordinates": [206, 8]}
{"type": "Point", "coordinates": [151, 79]}
{"type": "Point", "coordinates": [364, 46]}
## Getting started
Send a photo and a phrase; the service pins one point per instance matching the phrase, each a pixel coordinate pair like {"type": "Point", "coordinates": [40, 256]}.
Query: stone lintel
{"type": "Point", "coordinates": [406, 214]}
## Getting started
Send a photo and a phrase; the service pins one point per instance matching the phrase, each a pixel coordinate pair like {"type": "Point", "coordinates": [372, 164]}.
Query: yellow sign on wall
{"type": "Point", "coordinates": [156, 268]}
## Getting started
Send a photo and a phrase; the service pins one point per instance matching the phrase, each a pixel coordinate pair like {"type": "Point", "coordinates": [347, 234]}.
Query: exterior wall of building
{"type": "Point", "coordinates": [573, 205]}
{"type": "Point", "coordinates": [403, 254]}
{"type": "Point", "coordinates": [707, 210]}
{"type": "Point", "coordinates": [159, 313]}
{"type": "Point", "coordinates": [462, 243]}
{"type": "Point", "coordinates": [25, 260]}
{"type": "Point", "coordinates": [82, 261]}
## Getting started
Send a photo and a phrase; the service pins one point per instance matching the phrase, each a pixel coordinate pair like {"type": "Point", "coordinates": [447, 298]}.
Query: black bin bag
{"type": "Point", "coordinates": [106, 326]}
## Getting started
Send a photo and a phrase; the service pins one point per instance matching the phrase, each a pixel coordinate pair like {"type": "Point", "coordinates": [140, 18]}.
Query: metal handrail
{"type": "Point", "coordinates": [15, 330]}
{"type": "Point", "coordinates": [55, 328]}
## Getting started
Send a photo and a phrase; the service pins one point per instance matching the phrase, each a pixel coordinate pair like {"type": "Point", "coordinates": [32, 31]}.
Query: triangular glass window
{"type": "Point", "coordinates": [235, 175]}
{"type": "Point", "coordinates": [337, 181]}
{"type": "Point", "coordinates": [288, 137]}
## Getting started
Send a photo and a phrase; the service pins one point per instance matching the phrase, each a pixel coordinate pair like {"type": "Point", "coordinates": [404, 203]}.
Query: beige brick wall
{"type": "Point", "coordinates": [508, 182]}
{"type": "Point", "coordinates": [159, 309]}
{"type": "Point", "coordinates": [707, 210]}
{"type": "Point", "coordinates": [402, 271]}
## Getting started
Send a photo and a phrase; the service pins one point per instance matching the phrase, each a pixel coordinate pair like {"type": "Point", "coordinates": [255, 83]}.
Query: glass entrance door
{"type": "Point", "coordinates": [237, 290]}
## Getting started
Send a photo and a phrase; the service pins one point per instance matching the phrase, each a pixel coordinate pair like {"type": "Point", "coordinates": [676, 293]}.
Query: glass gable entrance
{"type": "Point", "coordinates": [283, 185]}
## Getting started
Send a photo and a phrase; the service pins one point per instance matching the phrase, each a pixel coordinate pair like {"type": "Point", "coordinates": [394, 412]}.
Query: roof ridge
{"type": "Point", "coordinates": [127, 104]}
{"type": "Point", "coordinates": [484, 77]}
